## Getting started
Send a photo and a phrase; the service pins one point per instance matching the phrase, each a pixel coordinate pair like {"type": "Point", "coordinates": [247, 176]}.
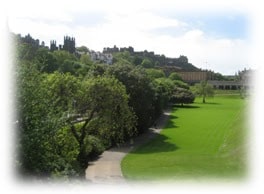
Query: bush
{"type": "Point", "coordinates": [182, 96]}
{"type": "Point", "coordinates": [67, 150]}
{"type": "Point", "coordinates": [95, 147]}
{"type": "Point", "coordinates": [181, 84]}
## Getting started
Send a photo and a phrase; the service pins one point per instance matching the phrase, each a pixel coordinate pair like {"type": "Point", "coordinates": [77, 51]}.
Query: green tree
{"type": "Point", "coordinates": [85, 59]}
{"type": "Point", "coordinates": [67, 67]}
{"type": "Point", "coordinates": [82, 49]}
{"type": "Point", "coordinates": [178, 80]}
{"type": "Point", "coordinates": [101, 110]}
{"type": "Point", "coordinates": [123, 58]}
{"type": "Point", "coordinates": [175, 76]}
{"type": "Point", "coordinates": [155, 73]}
{"type": "Point", "coordinates": [140, 90]}
{"type": "Point", "coordinates": [62, 56]}
{"type": "Point", "coordinates": [163, 90]}
{"type": "Point", "coordinates": [147, 63]}
{"type": "Point", "coordinates": [137, 60]}
{"type": "Point", "coordinates": [182, 96]}
{"type": "Point", "coordinates": [62, 89]}
{"type": "Point", "coordinates": [204, 89]}
{"type": "Point", "coordinates": [37, 122]}
{"type": "Point", "coordinates": [181, 84]}
{"type": "Point", "coordinates": [63, 122]}
{"type": "Point", "coordinates": [97, 70]}
{"type": "Point", "coordinates": [45, 60]}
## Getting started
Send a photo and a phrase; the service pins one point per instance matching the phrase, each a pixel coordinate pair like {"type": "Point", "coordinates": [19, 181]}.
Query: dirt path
{"type": "Point", "coordinates": [107, 169]}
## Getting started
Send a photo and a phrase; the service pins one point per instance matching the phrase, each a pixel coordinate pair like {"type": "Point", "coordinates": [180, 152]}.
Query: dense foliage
{"type": "Point", "coordinates": [70, 108]}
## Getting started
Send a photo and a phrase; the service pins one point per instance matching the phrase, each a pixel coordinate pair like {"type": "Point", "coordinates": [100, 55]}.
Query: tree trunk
{"type": "Point", "coordinates": [83, 161]}
{"type": "Point", "coordinates": [203, 99]}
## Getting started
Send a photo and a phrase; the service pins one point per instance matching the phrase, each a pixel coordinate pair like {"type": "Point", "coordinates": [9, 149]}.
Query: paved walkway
{"type": "Point", "coordinates": [107, 169]}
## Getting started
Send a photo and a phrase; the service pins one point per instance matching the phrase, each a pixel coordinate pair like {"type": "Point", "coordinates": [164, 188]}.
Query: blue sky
{"type": "Point", "coordinates": [221, 25]}
{"type": "Point", "coordinates": [211, 37]}
{"type": "Point", "coordinates": [217, 24]}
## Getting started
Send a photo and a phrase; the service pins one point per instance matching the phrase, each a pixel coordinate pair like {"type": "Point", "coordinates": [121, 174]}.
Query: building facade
{"type": "Point", "coordinates": [196, 76]}
{"type": "Point", "coordinates": [101, 57]}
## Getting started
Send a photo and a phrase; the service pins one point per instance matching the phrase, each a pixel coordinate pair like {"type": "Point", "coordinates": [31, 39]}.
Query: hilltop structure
{"type": "Point", "coordinates": [181, 63]}
{"type": "Point", "coordinates": [68, 45]}
{"type": "Point", "coordinates": [35, 43]}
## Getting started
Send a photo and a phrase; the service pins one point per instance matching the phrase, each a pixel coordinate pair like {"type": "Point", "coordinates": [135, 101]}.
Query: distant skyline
{"type": "Point", "coordinates": [217, 38]}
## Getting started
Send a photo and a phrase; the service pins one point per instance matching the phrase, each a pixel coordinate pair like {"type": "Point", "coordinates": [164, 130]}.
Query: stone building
{"type": "Point", "coordinates": [53, 46]}
{"type": "Point", "coordinates": [68, 45]}
{"type": "Point", "coordinates": [101, 57]}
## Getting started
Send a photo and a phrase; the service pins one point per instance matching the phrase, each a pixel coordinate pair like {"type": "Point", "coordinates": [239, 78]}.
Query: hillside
{"type": "Point", "coordinates": [181, 63]}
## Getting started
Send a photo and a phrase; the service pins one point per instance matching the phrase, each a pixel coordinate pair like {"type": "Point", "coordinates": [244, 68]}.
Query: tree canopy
{"type": "Point", "coordinates": [204, 89]}
{"type": "Point", "coordinates": [54, 106]}
{"type": "Point", "coordinates": [182, 96]}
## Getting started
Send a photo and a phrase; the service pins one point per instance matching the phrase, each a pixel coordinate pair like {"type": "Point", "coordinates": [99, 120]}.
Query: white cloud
{"type": "Point", "coordinates": [131, 24]}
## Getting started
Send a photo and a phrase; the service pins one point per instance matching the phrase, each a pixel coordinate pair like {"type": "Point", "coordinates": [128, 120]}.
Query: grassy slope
{"type": "Point", "coordinates": [205, 140]}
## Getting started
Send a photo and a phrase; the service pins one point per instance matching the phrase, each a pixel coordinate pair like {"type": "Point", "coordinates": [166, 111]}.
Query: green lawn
{"type": "Point", "coordinates": [199, 141]}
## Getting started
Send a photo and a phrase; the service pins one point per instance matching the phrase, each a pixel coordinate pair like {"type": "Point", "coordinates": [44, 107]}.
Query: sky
{"type": "Point", "coordinates": [212, 36]}
{"type": "Point", "coordinates": [224, 36]}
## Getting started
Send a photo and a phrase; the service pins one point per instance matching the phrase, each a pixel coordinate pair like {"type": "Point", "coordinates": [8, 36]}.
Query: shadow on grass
{"type": "Point", "coordinates": [211, 103]}
{"type": "Point", "coordinates": [157, 145]}
{"type": "Point", "coordinates": [185, 106]}
{"type": "Point", "coordinates": [171, 123]}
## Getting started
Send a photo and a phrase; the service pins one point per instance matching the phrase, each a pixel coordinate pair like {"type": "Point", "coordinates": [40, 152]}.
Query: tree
{"type": "Point", "coordinates": [64, 122]}
{"type": "Point", "coordinates": [62, 55]}
{"type": "Point", "coordinates": [98, 111]}
{"type": "Point", "coordinates": [37, 122]}
{"type": "Point", "coordinates": [122, 58]}
{"type": "Point", "coordinates": [82, 49]}
{"type": "Point", "coordinates": [182, 96]}
{"type": "Point", "coordinates": [175, 76]}
{"type": "Point", "coordinates": [45, 60]}
{"type": "Point", "coordinates": [163, 90]}
{"type": "Point", "coordinates": [67, 67]}
{"type": "Point", "coordinates": [147, 63]}
{"type": "Point", "coordinates": [204, 89]}
{"type": "Point", "coordinates": [97, 70]}
{"type": "Point", "coordinates": [137, 60]}
{"type": "Point", "coordinates": [85, 59]}
{"type": "Point", "coordinates": [181, 84]}
{"type": "Point", "coordinates": [140, 90]}
{"type": "Point", "coordinates": [155, 73]}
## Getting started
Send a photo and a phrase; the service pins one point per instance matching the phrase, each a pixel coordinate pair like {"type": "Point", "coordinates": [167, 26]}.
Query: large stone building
{"type": "Point", "coordinates": [196, 76]}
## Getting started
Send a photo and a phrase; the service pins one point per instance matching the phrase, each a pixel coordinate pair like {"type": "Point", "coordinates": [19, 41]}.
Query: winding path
{"type": "Point", "coordinates": [107, 169]}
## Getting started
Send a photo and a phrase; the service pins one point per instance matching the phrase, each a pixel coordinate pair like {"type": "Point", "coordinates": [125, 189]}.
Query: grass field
{"type": "Point", "coordinates": [199, 141]}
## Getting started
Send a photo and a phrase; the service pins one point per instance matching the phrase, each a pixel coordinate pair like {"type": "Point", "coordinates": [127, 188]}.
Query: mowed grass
{"type": "Point", "coordinates": [199, 141]}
